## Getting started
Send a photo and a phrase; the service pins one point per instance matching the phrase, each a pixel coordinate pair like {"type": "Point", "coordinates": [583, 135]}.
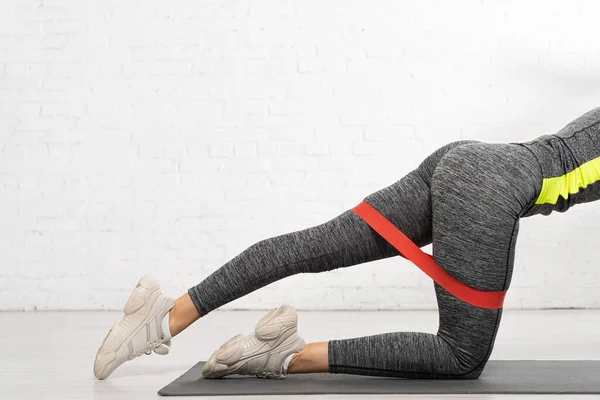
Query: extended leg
{"type": "Point", "coordinates": [341, 242]}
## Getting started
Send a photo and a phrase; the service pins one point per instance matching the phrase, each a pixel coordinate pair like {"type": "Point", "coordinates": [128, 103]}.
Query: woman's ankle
{"type": "Point", "coordinates": [182, 315]}
{"type": "Point", "coordinates": [313, 358]}
{"type": "Point", "coordinates": [173, 325]}
{"type": "Point", "coordinates": [293, 365]}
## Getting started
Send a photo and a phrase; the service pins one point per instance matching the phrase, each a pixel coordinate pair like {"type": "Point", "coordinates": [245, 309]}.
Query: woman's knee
{"type": "Point", "coordinates": [475, 367]}
{"type": "Point", "coordinates": [472, 366]}
{"type": "Point", "coordinates": [475, 373]}
{"type": "Point", "coordinates": [471, 349]}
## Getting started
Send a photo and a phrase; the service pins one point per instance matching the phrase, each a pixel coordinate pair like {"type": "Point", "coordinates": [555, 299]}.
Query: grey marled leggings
{"type": "Point", "coordinates": [466, 198]}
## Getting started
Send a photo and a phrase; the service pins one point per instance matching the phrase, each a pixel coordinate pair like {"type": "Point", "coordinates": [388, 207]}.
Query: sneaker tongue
{"type": "Point", "coordinates": [163, 349]}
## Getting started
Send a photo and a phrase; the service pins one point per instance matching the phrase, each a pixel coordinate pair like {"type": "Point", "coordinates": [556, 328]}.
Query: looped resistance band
{"type": "Point", "coordinates": [425, 262]}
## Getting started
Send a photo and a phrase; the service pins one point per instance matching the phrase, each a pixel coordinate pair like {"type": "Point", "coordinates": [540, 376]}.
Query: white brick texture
{"type": "Point", "coordinates": [166, 137]}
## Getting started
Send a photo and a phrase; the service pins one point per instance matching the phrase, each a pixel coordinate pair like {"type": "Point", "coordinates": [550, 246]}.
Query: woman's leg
{"type": "Point", "coordinates": [341, 242]}
{"type": "Point", "coordinates": [479, 191]}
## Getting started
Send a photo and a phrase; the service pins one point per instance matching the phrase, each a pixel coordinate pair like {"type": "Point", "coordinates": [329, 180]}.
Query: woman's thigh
{"type": "Point", "coordinates": [479, 191]}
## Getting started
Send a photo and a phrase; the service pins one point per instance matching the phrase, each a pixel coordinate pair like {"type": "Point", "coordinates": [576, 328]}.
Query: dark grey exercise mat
{"type": "Point", "coordinates": [499, 376]}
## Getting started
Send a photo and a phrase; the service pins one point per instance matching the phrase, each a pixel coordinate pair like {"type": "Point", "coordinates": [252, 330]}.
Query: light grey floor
{"type": "Point", "coordinates": [49, 355]}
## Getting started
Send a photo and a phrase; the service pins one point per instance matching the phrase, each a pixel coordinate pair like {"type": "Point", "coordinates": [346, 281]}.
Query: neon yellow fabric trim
{"type": "Point", "coordinates": [570, 183]}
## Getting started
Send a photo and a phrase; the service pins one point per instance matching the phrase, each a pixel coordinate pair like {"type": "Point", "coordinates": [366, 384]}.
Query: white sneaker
{"type": "Point", "coordinates": [140, 330]}
{"type": "Point", "coordinates": [260, 353]}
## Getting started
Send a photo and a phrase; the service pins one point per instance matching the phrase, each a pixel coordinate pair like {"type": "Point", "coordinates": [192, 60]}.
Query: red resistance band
{"type": "Point", "coordinates": [425, 262]}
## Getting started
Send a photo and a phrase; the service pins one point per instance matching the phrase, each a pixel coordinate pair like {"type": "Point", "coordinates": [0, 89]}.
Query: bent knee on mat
{"type": "Point", "coordinates": [474, 370]}
{"type": "Point", "coordinates": [471, 369]}
{"type": "Point", "coordinates": [470, 354]}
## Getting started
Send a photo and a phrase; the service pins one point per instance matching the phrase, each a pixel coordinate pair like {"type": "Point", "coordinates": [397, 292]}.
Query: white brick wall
{"type": "Point", "coordinates": [166, 137]}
